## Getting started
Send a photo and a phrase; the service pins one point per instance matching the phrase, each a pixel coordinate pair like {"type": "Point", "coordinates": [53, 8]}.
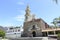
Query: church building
{"type": "Point", "coordinates": [32, 26]}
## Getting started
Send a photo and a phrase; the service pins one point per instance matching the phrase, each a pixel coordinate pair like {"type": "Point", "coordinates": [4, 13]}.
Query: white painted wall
{"type": "Point", "coordinates": [13, 33]}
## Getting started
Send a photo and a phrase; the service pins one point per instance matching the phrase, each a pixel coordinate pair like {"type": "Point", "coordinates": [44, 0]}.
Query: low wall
{"type": "Point", "coordinates": [12, 35]}
{"type": "Point", "coordinates": [30, 38]}
{"type": "Point", "coordinates": [27, 38]}
{"type": "Point", "coordinates": [45, 38]}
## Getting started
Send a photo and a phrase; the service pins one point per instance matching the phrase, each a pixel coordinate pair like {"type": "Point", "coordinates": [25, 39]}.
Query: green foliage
{"type": "Point", "coordinates": [2, 33]}
{"type": "Point", "coordinates": [55, 21]}
{"type": "Point", "coordinates": [58, 34]}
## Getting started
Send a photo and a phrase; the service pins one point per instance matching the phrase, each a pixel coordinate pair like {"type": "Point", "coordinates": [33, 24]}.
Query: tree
{"type": "Point", "coordinates": [55, 22]}
{"type": "Point", "coordinates": [56, 1]}
{"type": "Point", "coordinates": [2, 33]}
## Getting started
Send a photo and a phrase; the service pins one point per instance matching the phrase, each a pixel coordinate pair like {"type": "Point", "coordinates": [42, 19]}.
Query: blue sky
{"type": "Point", "coordinates": [12, 11]}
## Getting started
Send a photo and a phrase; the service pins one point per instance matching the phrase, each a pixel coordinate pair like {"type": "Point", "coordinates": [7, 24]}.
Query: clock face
{"type": "Point", "coordinates": [34, 27]}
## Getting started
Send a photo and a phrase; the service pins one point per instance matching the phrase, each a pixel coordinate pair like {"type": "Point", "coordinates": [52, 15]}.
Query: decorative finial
{"type": "Point", "coordinates": [27, 6]}
{"type": "Point", "coordinates": [28, 9]}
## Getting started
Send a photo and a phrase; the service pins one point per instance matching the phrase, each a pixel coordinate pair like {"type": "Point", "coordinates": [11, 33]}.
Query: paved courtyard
{"type": "Point", "coordinates": [39, 39]}
{"type": "Point", "coordinates": [32, 39]}
{"type": "Point", "coordinates": [52, 38]}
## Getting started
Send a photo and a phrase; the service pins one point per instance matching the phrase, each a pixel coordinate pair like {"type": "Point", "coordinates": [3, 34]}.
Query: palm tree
{"type": "Point", "coordinates": [55, 24]}
{"type": "Point", "coordinates": [58, 22]}
{"type": "Point", "coordinates": [56, 1]}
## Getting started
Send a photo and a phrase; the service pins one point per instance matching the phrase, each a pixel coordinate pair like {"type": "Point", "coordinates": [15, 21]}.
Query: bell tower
{"type": "Point", "coordinates": [27, 15]}
{"type": "Point", "coordinates": [31, 26]}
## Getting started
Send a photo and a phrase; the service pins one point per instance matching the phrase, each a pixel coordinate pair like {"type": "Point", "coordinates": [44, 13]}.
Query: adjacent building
{"type": "Point", "coordinates": [13, 32]}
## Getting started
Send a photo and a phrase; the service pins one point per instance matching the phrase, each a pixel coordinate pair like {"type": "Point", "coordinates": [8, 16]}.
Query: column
{"type": "Point", "coordinates": [54, 32]}
{"type": "Point", "coordinates": [47, 33]}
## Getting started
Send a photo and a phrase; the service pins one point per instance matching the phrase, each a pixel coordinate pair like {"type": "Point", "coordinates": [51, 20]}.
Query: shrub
{"type": "Point", "coordinates": [2, 33]}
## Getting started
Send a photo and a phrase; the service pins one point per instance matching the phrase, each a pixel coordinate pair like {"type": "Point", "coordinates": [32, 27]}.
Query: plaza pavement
{"type": "Point", "coordinates": [52, 38]}
{"type": "Point", "coordinates": [31, 39]}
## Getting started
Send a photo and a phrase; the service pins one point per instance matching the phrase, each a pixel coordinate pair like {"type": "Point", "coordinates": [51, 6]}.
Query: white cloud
{"type": "Point", "coordinates": [20, 3]}
{"type": "Point", "coordinates": [7, 24]}
{"type": "Point", "coordinates": [21, 11]}
{"type": "Point", "coordinates": [19, 17]}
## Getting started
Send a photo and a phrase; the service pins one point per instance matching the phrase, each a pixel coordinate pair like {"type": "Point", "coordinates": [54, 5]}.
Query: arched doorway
{"type": "Point", "coordinates": [34, 34]}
